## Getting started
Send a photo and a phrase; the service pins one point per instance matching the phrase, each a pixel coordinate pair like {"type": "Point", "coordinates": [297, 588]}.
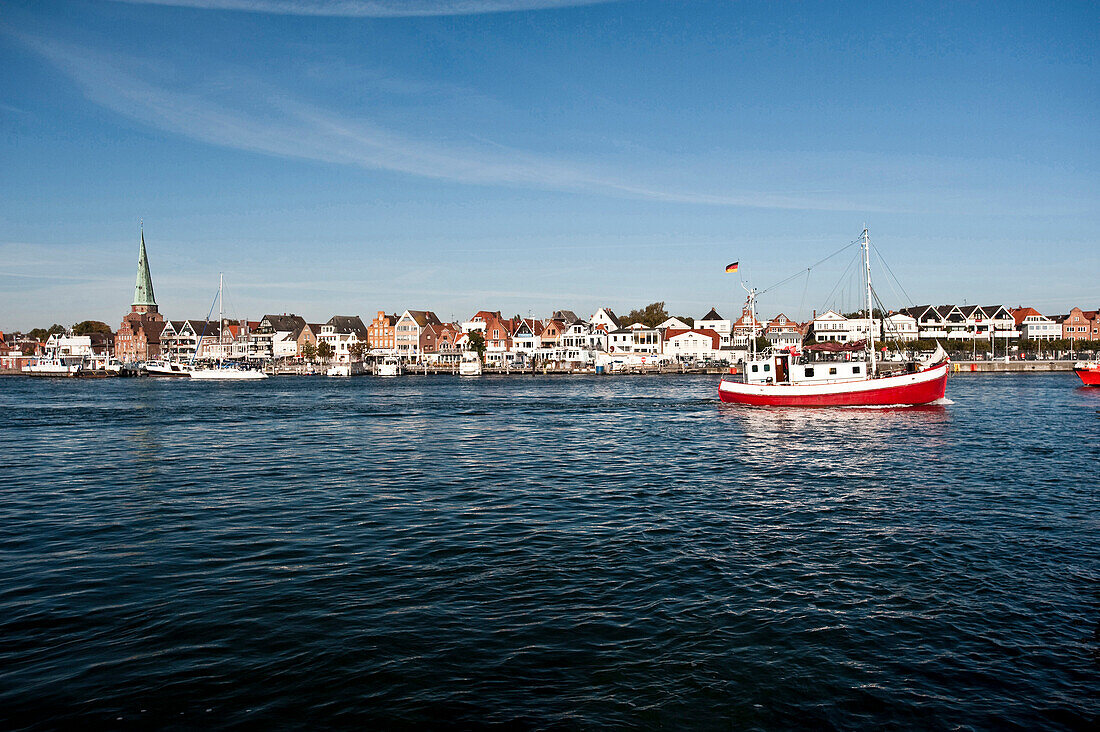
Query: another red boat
{"type": "Point", "coordinates": [1088, 371]}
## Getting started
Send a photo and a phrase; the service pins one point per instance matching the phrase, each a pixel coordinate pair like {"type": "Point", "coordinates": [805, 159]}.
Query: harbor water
{"type": "Point", "coordinates": [545, 553]}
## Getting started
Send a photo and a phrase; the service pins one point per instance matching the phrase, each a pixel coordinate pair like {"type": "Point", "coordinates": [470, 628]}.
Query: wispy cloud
{"type": "Point", "coordinates": [262, 119]}
{"type": "Point", "coordinates": [373, 8]}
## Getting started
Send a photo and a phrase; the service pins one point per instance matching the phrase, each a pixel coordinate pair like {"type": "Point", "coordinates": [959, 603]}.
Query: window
{"type": "Point", "coordinates": [755, 368]}
{"type": "Point", "coordinates": [855, 369]}
{"type": "Point", "coordinates": [832, 370]}
{"type": "Point", "coordinates": [809, 372]}
{"type": "Point", "coordinates": [767, 367]}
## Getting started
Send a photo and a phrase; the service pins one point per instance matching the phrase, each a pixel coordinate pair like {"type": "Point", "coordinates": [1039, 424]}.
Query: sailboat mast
{"type": "Point", "coordinates": [221, 317]}
{"type": "Point", "coordinates": [870, 308]}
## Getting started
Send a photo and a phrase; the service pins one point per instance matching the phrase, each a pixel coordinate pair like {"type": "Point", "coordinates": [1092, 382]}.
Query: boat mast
{"type": "Point", "coordinates": [221, 318]}
{"type": "Point", "coordinates": [870, 308]}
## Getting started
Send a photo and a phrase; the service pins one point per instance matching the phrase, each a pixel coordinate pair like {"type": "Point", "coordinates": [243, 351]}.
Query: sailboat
{"type": "Point", "coordinates": [223, 372]}
{"type": "Point", "coordinates": [780, 379]}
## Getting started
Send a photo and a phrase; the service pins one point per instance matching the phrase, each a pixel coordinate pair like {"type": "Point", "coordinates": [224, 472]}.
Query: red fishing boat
{"type": "Point", "coordinates": [1089, 371]}
{"type": "Point", "coordinates": [848, 376]}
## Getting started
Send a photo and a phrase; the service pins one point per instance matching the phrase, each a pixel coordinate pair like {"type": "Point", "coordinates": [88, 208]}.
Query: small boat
{"type": "Point", "coordinates": [470, 365]}
{"type": "Point", "coordinates": [782, 379]}
{"type": "Point", "coordinates": [164, 367]}
{"type": "Point", "coordinates": [390, 366]}
{"type": "Point", "coordinates": [344, 370]}
{"type": "Point", "coordinates": [1088, 371]}
{"type": "Point", "coordinates": [227, 373]}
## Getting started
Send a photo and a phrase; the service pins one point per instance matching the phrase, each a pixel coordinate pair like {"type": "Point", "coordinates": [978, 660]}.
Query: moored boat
{"type": "Point", "coordinates": [1088, 371]}
{"type": "Point", "coordinates": [390, 366]}
{"type": "Point", "coordinates": [470, 365]}
{"type": "Point", "coordinates": [227, 373]}
{"type": "Point", "coordinates": [164, 367]}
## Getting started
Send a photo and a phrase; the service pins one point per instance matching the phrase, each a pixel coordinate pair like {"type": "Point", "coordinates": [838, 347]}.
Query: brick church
{"type": "Point", "coordinates": [138, 338]}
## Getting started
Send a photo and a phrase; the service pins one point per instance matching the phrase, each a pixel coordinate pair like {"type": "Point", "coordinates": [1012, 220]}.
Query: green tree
{"type": "Point", "coordinates": [309, 350]}
{"type": "Point", "coordinates": [87, 327]}
{"type": "Point", "coordinates": [762, 344]}
{"type": "Point", "coordinates": [650, 316]}
{"type": "Point", "coordinates": [42, 334]}
{"type": "Point", "coordinates": [358, 348]}
{"type": "Point", "coordinates": [325, 351]}
{"type": "Point", "coordinates": [477, 343]}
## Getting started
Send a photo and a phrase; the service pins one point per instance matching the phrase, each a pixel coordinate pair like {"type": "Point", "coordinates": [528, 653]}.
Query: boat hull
{"type": "Point", "coordinates": [905, 389]}
{"type": "Point", "coordinates": [1088, 376]}
{"type": "Point", "coordinates": [227, 375]}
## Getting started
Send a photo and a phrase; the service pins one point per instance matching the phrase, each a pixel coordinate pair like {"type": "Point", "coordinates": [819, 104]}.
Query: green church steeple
{"type": "Point", "coordinates": [143, 290]}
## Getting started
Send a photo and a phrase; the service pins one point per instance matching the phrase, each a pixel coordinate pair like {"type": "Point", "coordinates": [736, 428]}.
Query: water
{"type": "Point", "coordinates": [547, 552]}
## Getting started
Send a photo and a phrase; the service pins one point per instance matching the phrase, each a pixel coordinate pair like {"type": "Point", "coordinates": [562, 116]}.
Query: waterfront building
{"type": "Point", "coordinates": [448, 348]}
{"type": "Point", "coordinates": [567, 317]}
{"type": "Point", "coordinates": [343, 333]}
{"type": "Point", "coordinates": [782, 332]}
{"type": "Point", "coordinates": [693, 344]}
{"type": "Point", "coordinates": [551, 332]}
{"type": "Point", "coordinates": [1081, 325]}
{"type": "Point", "coordinates": [675, 324]}
{"type": "Point", "coordinates": [722, 326]}
{"type": "Point", "coordinates": [417, 334]}
{"type": "Point", "coordinates": [899, 327]}
{"type": "Point", "coordinates": [496, 329]}
{"type": "Point", "coordinates": [1034, 326]}
{"type": "Point", "coordinates": [743, 330]}
{"type": "Point", "coordinates": [180, 340]}
{"type": "Point", "coordinates": [382, 333]}
{"type": "Point", "coordinates": [830, 326]}
{"type": "Point", "coordinates": [276, 336]}
{"type": "Point", "coordinates": [138, 337]}
{"type": "Point", "coordinates": [605, 319]}
{"type": "Point", "coordinates": [527, 337]}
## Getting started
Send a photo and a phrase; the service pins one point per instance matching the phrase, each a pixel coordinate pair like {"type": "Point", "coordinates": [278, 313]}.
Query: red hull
{"type": "Point", "coordinates": [922, 392]}
{"type": "Point", "coordinates": [1089, 377]}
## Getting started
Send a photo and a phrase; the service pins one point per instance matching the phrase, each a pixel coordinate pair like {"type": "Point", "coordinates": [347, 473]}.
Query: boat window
{"type": "Point", "coordinates": [855, 369]}
{"type": "Point", "coordinates": [755, 368]}
{"type": "Point", "coordinates": [767, 367]}
{"type": "Point", "coordinates": [832, 370]}
{"type": "Point", "coordinates": [809, 371]}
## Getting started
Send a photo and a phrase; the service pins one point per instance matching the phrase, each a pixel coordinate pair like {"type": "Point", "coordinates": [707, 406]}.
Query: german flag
{"type": "Point", "coordinates": [731, 268]}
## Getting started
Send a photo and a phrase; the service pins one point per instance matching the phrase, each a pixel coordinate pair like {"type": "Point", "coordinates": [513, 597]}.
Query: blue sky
{"type": "Point", "coordinates": [528, 155]}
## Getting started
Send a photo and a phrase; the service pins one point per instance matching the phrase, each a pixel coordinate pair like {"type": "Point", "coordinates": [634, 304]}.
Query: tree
{"type": "Point", "coordinates": [357, 349]}
{"type": "Point", "coordinates": [325, 351]}
{"type": "Point", "coordinates": [762, 344]}
{"type": "Point", "coordinates": [689, 321]}
{"type": "Point", "coordinates": [309, 350]}
{"type": "Point", "coordinates": [42, 334]}
{"type": "Point", "coordinates": [87, 327]}
{"type": "Point", "coordinates": [476, 342]}
{"type": "Point", "coordinates": [650, 316]}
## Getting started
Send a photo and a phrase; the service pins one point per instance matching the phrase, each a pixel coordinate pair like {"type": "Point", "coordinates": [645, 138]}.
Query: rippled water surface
{"type": "Point", "coordinates": [545, 552]}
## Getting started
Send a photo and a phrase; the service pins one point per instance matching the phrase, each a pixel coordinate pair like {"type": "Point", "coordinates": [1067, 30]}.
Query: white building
{"type": "Point", "coordinates": [1034, 326]}
{"type": "Point", "coordinates": [722, 326]}
{"type": "Point", "coordinates": [694, 344]}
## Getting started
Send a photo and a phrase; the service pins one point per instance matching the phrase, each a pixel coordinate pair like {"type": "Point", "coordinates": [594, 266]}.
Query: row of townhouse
{"type": "Point", "coordinates": [421, 336]}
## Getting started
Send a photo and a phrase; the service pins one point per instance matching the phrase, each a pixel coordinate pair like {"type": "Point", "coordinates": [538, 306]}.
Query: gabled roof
{"type": "Point", "coordinates": [918, 311]}
{"type": "Point", "coordinates": [712, 315]}
{"type": "Point", "coordinates": [565, 316]}
{"type": "Point", "coordinates": [345, 324]}
{"type": "Point", "coordinates": [715, 338]}
{"type": "Point", "coordinates": [1018, 314]}
{"type": "Point", "coordinates": [424, 317]}
{"type": "Point", "coordinates": [610, 316]}
{"type": "Point", "coordinates": [292, 324]}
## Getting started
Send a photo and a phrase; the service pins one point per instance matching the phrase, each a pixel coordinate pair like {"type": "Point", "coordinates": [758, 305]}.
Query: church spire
{"type": "Point", "coordinates": [143, 290]}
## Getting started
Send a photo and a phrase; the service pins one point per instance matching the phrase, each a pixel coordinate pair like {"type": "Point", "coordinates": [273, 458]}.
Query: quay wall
{"type": "Point", "coordinates": [984, 367]}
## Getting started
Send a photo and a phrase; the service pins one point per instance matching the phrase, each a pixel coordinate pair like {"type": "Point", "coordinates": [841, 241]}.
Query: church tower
{"type": "Point", "coordinates": [138, 338]}
{"type": "Point", "coordinates": [144, 300]}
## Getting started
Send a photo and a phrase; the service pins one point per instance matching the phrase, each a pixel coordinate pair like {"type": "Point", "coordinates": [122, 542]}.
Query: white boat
{"type": "Point", "coordinates": [50, 366]}
{"type": "Point", "coordinates": [354, 368]}
{"type": "Point", "coordinates": [390, 366]}
{"type": "Point", "coordinates": [227, 373]}
{"type": "Point", "coordinates": [470, 365]}
{"type": "Point", "coordinates": [163, 367]}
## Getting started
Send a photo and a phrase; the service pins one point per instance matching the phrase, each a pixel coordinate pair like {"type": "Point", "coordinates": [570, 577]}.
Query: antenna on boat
{"type": "Point", "coordinates": [752, 320]}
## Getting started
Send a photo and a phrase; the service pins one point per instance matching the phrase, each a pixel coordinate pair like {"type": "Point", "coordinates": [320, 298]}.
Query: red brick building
{"type": "Point", "coordinates": [1081, 325]}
